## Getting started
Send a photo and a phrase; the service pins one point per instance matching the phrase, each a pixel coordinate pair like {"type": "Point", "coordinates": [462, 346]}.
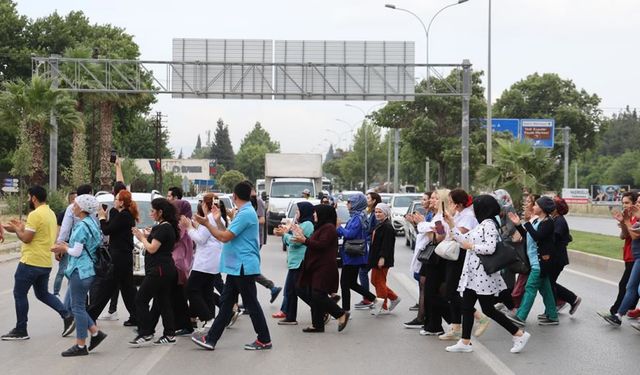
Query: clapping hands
{"type": "Point", "coordinates": [514, 218]}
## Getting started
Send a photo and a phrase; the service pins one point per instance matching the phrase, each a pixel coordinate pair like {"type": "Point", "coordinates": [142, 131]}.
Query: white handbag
{"type": "Point", "coordinates": [449, 250]}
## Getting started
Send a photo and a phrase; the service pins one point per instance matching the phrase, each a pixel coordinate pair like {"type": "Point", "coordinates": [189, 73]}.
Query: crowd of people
{"type": "Point", "coordinates": [186, 254]}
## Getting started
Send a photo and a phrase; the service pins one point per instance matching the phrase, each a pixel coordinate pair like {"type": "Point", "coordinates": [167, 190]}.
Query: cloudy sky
{"type": "Point", "coordinates": [592, 42]}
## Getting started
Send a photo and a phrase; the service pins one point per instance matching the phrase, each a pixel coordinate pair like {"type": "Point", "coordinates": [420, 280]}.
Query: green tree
{"type": "Point", "coordinates": [620, 134]}
{"type": "Point", "coordinates": [15, 61]}
{"type": "Point", "coordinates": [230, 179]}
{"type": "Point", "coordinates": [516, 166]}
{"type": "Point", "coordinates": [430, 126]}
{"type": "Point", "coordinates": [29, 106]}
{"type": "Point", "coordinates": [550, 96]}
{"type": "Point", "coordinates": [623, 169]}
{"type": "Point", "coordinates": [259, 136]}
{"type": "Point", "coordinates": [250, 160]}
{"type": "Point", "coordinates": [221, 149]}
{"type": "Point", "coordinates": [139, 139]}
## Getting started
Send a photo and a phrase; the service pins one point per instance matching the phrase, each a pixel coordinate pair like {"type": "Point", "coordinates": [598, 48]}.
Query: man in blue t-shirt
{"type": "Point", "coordinates": [240, 260]}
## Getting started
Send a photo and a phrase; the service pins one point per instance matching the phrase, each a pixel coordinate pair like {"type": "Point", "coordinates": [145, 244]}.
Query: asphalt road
{"type": "Point", "coordinates": [602, 225]}
{"type": "Point", "coordinates": [583, 344]}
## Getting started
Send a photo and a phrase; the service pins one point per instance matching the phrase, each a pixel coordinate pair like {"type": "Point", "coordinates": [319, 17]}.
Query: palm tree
{"type": "Point", "coordinates": [516, 165]}
{"type": "Point", "coordinates": [28, 106]}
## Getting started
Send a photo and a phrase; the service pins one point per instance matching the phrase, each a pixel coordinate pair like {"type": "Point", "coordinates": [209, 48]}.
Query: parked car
{"type": "Point", "coordinates": [399, 205]}
{"type": "Point", "coordinates": [344, 196]}
{"type": "Point", "coordinates": [386, 197]}
{"type": "Point", "coordinates": [143, 200]}
{"type": "Point", "coordinates": [410, 230]}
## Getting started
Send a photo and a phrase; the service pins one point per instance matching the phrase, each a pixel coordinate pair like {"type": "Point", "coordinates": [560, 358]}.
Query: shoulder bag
{"type": "Point", "coordinates": [504, 256]}
{"type": "Point", "coordinates": [448, 249]}
{"type": "Point", "coordinates": [355, 248]}
{"type": "Point", "coordinates": [426, 254]}
{"type": "Point", "coordinates": [102, 263]}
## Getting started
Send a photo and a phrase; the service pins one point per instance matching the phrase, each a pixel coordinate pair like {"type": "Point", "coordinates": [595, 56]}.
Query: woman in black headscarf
{"type": "Point", "coordinates": [319, 271]}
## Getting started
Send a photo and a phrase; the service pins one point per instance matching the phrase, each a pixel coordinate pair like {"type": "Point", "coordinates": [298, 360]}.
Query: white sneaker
{"type": "Point", "coordinates": [377, 306]}
{"type": "Point", "coordinates": [109, 316]}
{"type": "Point", "coordinates": [520, 342]}
{"type": "Point", "coordinates": [460, 347]}
{"type": "Point", "coordinates": [394, 303]}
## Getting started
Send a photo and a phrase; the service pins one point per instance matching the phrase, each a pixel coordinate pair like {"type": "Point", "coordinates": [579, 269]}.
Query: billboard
{"type": "Point", "coordinates": [608, 194]}
{"type": "Point", "coordinates": [510, 125]}
{"type": "Point", "coordinates": [580, 196]}
{"type": "Point", "coordinates": [539, 132]}
{"type": "Point", "coordinates": [193, 169]}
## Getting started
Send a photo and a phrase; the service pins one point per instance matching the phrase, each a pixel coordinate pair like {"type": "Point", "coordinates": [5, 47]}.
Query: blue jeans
{"type": "Point", "coordinates": [62, 266]}
{"type": "Point", "coordinates": [79, 289]}
{"type": "Point", "coordinates": [631, 295]}
{"type": "Point", "coordinates": [291, 295]}
{"type": "Point", "coordinates": [363, 277]}
{"type": "Point", "coordinates": [25, 277]}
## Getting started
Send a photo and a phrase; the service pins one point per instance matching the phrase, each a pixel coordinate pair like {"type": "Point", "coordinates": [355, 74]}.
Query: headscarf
{"type": "Point", "coordinates": [183, 208]}
{"type": "Point", "coordinates": [87, 203]}
{"type": "Point", "coordinates": [503, 197]}
{"type": "Point", "coordinates": [485, 207]}
{"type": "Point", "coordinates": [306, 212]}
{"type": "Point", "coordinates": [358, 203]}
{"type": "Point", "coordinates": [546, 204]}
{"type": "Point", "coordinates": [326, 215]}
{"type": "Point", "coordinates": [385, 208]}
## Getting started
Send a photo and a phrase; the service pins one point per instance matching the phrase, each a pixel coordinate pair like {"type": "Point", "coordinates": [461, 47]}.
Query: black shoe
{"type": "Point", "coordinates": [184, 332]}
{"type": "Point", "coordinates": [415, 307]}
{"type": "Point", "coordinates": [130, 323]}
{"type": "Point", "coordinates": [257, 345]}
{"type": "Point", "coordinates": [414, 324]}
{"type": "Point", "coordinates": [75, 351]}
{"type": "Point", "coordinates": [15, 335]}
{"type": "Point", "coordinates": [140, 341]}
{"type": "Point", "coordinates": [96, 340]}
{"type": "Point", "coordinates": [275, 292]}
{"type": "Point", "coordinates": [69, 326]}
{"type": "Point", "coordinates": [613, 320]}
{"type": "Point", "coordinates": [343, 325]}
{"type": "Point", "coordinates": [165, 340]}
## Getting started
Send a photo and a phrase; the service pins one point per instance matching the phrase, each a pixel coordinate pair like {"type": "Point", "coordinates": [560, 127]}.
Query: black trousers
{"type": "Point", "coordinates": [202, 299]}
{"type": "Point", "coordinates": [349, 282]}
{"type": "Point", "coordinates": [469, 299]}
{"type": "Point", "coordinates": [560, 292]}
{"type": "Point", "coordinates": [622, 288]}
{"type": "Point", "coordinates": [244, 285]}
{"type": "Point", "coordinates": [179, 306]}
{"type": "Point", "coordinates": [292, 295]}
{"type": "Point", "coordinates": [103, 290]}
{"type": "Point", "coordinates": [453, 270]}
{"type": "Point", "coordinates": [436, 306]}
{"type": "Point", "coordinates": [322, 304]}
{"type": "Point", "coordinates": [157, 288]}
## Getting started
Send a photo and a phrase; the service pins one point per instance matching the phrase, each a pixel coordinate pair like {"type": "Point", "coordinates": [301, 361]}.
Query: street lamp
{"type": "Point", "coordinates": [427, 28]}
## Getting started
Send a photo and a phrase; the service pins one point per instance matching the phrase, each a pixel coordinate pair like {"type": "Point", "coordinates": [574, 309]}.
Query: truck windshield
{"type": "Point", "coordinates": [289, 189]}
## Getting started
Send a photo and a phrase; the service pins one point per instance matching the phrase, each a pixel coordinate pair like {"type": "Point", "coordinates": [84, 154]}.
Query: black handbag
{"type": "Point", "coordinates": [522, 265]}
{"type": "Point", "coordinates": [427, 254]}
{"type": "Point", "coordinates": [355, 248]}
{"type": "Point", "coordinates": [504, 256]}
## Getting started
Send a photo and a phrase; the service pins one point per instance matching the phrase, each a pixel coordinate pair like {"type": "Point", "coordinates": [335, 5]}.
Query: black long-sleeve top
{"type": "Point", "coordinates": [118, 228]}
{"type": "Point", "coordinates": [383, 244]}
{"type": "Point", "coordinates": [544, 236]}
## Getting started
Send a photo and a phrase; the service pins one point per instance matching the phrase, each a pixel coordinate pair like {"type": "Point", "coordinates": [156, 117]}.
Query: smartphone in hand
{"type": "Point", "coordinates": [439, 227]}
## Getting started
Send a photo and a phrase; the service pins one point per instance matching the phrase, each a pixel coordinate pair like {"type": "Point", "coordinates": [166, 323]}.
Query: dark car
{"type": "Point", "coordinates": [410, 230]}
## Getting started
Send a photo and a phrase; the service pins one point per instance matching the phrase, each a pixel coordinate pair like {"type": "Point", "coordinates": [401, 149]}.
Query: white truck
{"type": "Point", "coordinates": [286, 177]}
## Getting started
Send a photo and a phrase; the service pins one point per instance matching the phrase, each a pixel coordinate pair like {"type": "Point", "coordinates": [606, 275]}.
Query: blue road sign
{"type": "Point", "coordinates": [539, 132]}
{"type": "Point", "coordinates": [511, 125]}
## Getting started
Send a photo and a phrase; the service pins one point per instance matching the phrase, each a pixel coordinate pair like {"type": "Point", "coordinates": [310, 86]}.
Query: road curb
{"type": "Point", "coordinates": [597, 262]}
{"type": "Point", "coordinates": [9, 252]}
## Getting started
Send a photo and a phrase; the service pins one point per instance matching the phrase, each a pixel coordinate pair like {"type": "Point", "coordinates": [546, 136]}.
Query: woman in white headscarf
{"type": "Point", "coordinates": [82, 246]}
{"type": "Point", "coordinates": [383, 241]}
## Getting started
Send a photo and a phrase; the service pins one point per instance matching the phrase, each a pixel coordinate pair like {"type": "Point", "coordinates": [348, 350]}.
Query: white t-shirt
{"type": "Point", "coordinates": [465, 219]}
{"type": "Point", "coordinates": [208, 249]}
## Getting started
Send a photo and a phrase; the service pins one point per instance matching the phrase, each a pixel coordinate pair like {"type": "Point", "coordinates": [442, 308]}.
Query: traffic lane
{"type": "Point", "coordinates": [375, 345]}
{"type": "Point", "coordinates": [601, 225]}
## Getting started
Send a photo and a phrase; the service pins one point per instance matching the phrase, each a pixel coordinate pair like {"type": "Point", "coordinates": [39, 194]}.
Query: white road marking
{"type": "Point", "coordinates": [480, 351]}
{"type": "Point", "coordinates": [596, 278]}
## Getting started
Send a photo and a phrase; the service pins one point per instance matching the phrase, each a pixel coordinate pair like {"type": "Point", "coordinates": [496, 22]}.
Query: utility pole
{"type": "Point", "coordinates": [489, 120]}
{"type": "Point", "coordinates": [565, 139]}
{"type": "Point", "coordinates": [396, 148]}
{"type": "Point", "coordinates": [53, 133]}
{"type": "Point", "coordinates": [427, 180]}
{"type": "Point", "coordinates": [157, 177]}
{"type": "Point", "coordinates": [466, 97]}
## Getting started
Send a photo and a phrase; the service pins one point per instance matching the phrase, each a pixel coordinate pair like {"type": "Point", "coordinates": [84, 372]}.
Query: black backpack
{"type": "Point", "coordinates": [102, 263]}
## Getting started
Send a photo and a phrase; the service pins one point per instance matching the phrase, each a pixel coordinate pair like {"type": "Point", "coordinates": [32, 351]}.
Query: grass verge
{"type": "Point", "coordinates": [598, 244]}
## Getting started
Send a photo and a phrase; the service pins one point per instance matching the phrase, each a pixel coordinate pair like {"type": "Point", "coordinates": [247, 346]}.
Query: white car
{"type": "Point", "coordinates": [399, 205]}
{"type": "Point", "coordinates": [143, 200]}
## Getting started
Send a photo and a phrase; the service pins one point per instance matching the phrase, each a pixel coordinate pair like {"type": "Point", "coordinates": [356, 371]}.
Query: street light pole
{"type": "Point", "coordinates": [426, 29]}
{"type": "Point", "coordinates": [365, 129]}
{"type": "Point", "coordinates": [489, 120]}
